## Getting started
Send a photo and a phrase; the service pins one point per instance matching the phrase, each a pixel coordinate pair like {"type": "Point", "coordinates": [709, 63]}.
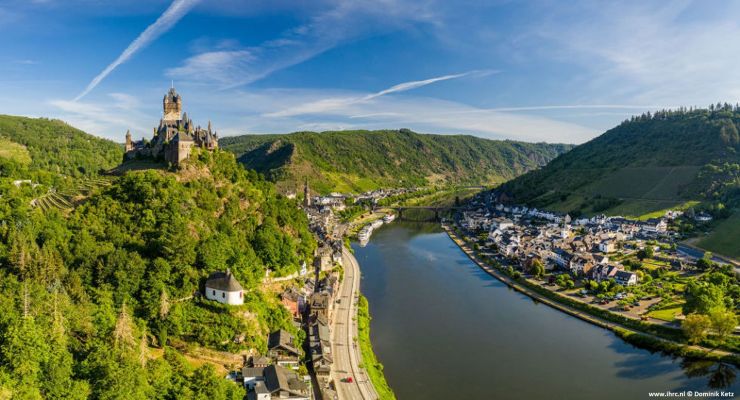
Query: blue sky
{"type": "Point", "coordinates": [526, 70]}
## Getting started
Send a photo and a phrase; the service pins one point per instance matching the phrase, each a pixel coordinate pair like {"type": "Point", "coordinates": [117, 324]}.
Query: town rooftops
{"type": "Point", "coordinates": [223, 281]}
{"type": "Point", "coordinates": [320, 301]}
{"type": "Point", "coordinates": [283, 340]}
{"type": "Point", "coordinates": [252, 372]}
{"type": "Point", "coordinates": [278, 378]}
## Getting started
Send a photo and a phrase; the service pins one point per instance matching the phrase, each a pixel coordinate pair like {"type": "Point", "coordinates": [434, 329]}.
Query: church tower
{"type": "Point", "coordinates": [129, 142]}
{"type": "Point", "coordinates": [172, 104]}
{"type": "Point", "coordinates": [306, 194]}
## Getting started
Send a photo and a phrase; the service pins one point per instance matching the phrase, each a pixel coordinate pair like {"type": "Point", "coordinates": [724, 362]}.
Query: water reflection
{"type": "Point", "coordinates": [719, 375]}
{"type": "Point", "coordinates": [436, 314]}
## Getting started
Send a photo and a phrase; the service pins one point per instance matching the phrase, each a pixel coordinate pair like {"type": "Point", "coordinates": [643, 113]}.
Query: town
{"type": "Point", "coordinates": [632, 267]}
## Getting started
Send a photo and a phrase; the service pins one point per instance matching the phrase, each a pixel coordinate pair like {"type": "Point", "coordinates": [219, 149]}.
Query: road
{"type": "Point", "coordinates": [346, 353]}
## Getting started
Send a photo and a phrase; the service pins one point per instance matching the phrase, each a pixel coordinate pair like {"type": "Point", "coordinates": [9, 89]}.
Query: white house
{"type": "Point", "coordinates": [224, 288]}
{"type": "Point", "coordinates": [607, 246]}
{"type": "Point", "coordinates": [655, 225]}
{"type": "Point", "coordinates": [626, 278]}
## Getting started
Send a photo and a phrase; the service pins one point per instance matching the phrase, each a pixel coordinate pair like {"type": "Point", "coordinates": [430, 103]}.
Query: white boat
{"type": "Point", "coordinates": [389, 218]}
{"type": "Point", "coordinates": [364, 234]}
{"type": "Point", "coordinates": [377, 223]}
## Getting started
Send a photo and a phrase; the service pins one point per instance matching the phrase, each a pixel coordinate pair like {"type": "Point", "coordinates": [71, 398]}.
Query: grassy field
{"type": "Point", "coordinates": [371, 364]}
{"type": "Point", "coordinates": [725, 238]}
{"type": "Point", "coordinates": [442, 198]}
{"type": "Point", "coordinates": [667, 314]}
{"type": "Point", "coordinates": [14, 151]}
{"type": "Point", "coordinates": [659, 213]}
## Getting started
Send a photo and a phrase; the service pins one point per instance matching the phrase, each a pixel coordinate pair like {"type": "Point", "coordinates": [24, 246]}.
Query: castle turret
{"type": "Point", "coordinates": [172, 105]}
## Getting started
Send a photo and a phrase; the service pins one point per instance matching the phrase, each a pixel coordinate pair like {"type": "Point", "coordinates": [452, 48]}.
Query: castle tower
{"type": "Point", "coordinates": [306, 194]}
{"type": "Point", "coordinates": [172, 104]}
{"type": "Point", "coordinates": [129, 142]}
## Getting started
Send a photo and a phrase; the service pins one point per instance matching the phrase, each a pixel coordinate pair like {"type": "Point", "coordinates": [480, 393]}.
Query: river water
{"type": "Point", "coordinates": [444, 329]}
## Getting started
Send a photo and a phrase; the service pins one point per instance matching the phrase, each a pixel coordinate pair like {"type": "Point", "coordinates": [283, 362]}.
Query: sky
{"type": "Point", "coordinates": [550, 71]}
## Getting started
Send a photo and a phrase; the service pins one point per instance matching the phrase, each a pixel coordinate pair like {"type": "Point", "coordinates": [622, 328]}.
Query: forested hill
{"type": "Point", "coordinates": [53, 146]}
{"type": "Point", "coordinates": [647, 163]}
{"type": "Point", "coordinates": [362, 160]}
{"type": "Point", "coordinates": [101, 300]}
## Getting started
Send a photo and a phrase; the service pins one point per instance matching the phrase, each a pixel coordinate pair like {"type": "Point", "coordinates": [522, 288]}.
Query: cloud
{"type": "Point", "coordinates": [222, 67]}
{"type": "Point", "coordinates": [342, 22]}
{"type": "Point", "coordinates": [578, 107]}
{"type": "Point", "coordinates": [164, 23]}
{"type": "Point", "coordinates": [328, 104]}
{"type": "Point", "coordinates": [108, 119]}
{"type": "Point", "coordinates": [245, 112]}
{"type": "Point", "coordinates": [655, 52]}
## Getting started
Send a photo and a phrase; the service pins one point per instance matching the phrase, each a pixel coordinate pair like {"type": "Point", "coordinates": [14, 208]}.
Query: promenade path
{"type": "Point", "coordinates": [345, 350]}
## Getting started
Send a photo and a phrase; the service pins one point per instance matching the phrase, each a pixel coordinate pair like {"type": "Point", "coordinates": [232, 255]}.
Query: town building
{"type": "Point", "coordinates": [224, 288]}
{"type": "Point", "coordinates": [174, 138]}
{"type": "Point", "coordinates": [274, 382]}
{"type": "Point", "coordinates": [280, 348]}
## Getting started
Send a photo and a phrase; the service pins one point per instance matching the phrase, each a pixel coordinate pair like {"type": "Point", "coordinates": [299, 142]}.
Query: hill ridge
{"type": "Point", "coordinates": [359, 160]}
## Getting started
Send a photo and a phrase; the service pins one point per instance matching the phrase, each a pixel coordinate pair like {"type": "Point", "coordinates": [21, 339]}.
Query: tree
{"type": "Point", "coordinates": [647, 252]}
{"type": "Point", "coordinates": [703, 264]}
{"type": "Point", "coordinates": [537, 269]}
{"type": "Point", "coordinates": [695, 327]}
{"type": "Point", "coordinates": [701, 297]}
{"type": "Point", "coordinates": [723, 322]}
{"type": "Point", "coordinates": [123, 334]}
{"type": "Point", "coordinates": [164, 305]}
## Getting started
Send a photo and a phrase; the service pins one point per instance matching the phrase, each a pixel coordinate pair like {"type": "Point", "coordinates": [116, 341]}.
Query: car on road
{"type": "Point", "coordinates": [348, 380]}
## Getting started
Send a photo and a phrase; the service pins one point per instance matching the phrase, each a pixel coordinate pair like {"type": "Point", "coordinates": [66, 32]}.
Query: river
{"type": "Point", "coordinates": [444, 329]}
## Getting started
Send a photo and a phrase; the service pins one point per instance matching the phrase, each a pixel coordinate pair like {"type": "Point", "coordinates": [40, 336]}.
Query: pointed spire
{"type": "Point", "coordinates": [209, 125]}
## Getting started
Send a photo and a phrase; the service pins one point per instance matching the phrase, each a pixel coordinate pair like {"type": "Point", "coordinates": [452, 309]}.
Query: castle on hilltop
{"type": "Point", "coordinates": [175, 137]}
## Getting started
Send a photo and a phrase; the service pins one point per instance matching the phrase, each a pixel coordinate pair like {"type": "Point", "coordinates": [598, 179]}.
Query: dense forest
{"type": "Point", "coordinates": [356, 161]}
{"type": "Point", "coordinates": [648, 162]}
{"type": "Point", "coordinates": [101, 301]}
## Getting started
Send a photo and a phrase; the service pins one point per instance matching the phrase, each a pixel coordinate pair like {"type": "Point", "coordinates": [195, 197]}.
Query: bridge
{"type": "Point", "coordinates": [437, 210]}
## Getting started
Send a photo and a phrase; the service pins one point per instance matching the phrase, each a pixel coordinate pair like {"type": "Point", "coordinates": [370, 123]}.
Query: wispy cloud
{"type": "Point", "coordinates": [247, 110]}
{"type": "Point", "coordinates": [329, 104]}
{"type": "Point", "coordinates": [581, 107]}
{"type": "Point", "coordinates": [164, 23]}
{"type": "Point", "coordinates": [655, 52]}
{"type": "Point", "coordinates": [343, 22]}
{"type": "Point", "coordinates": [108, 119]}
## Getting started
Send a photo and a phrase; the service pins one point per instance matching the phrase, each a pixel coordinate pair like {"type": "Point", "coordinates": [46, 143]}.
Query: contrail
{"type": "Point", "coordinates": [402, 87]}
{"type": "Point", "coordinates": [334, 103]}
{"type": "Point", "coordinates": [165, 22]}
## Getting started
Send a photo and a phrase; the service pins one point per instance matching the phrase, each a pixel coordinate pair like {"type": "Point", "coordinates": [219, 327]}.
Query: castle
{"type": "Point", "coordinates": [175, 137]}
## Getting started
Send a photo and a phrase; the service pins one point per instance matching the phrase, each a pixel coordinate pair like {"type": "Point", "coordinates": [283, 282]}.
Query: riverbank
{"type": "Point", "coordinates": [369, 361]}
{"type": "Point", "coordinates": [616, 323]}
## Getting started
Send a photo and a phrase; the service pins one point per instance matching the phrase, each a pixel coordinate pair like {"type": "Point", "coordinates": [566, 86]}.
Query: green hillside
{"type": "Point", "coordinates": [100, 300]}
{"type": "Point", "coordinates": [54, 146]}
{"type": "Point", "coordinates": [355, 161]}
{"type": "Point", "coordinates": [15, 152]}
{"type": "Point", "coordinates": [645, 164]}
